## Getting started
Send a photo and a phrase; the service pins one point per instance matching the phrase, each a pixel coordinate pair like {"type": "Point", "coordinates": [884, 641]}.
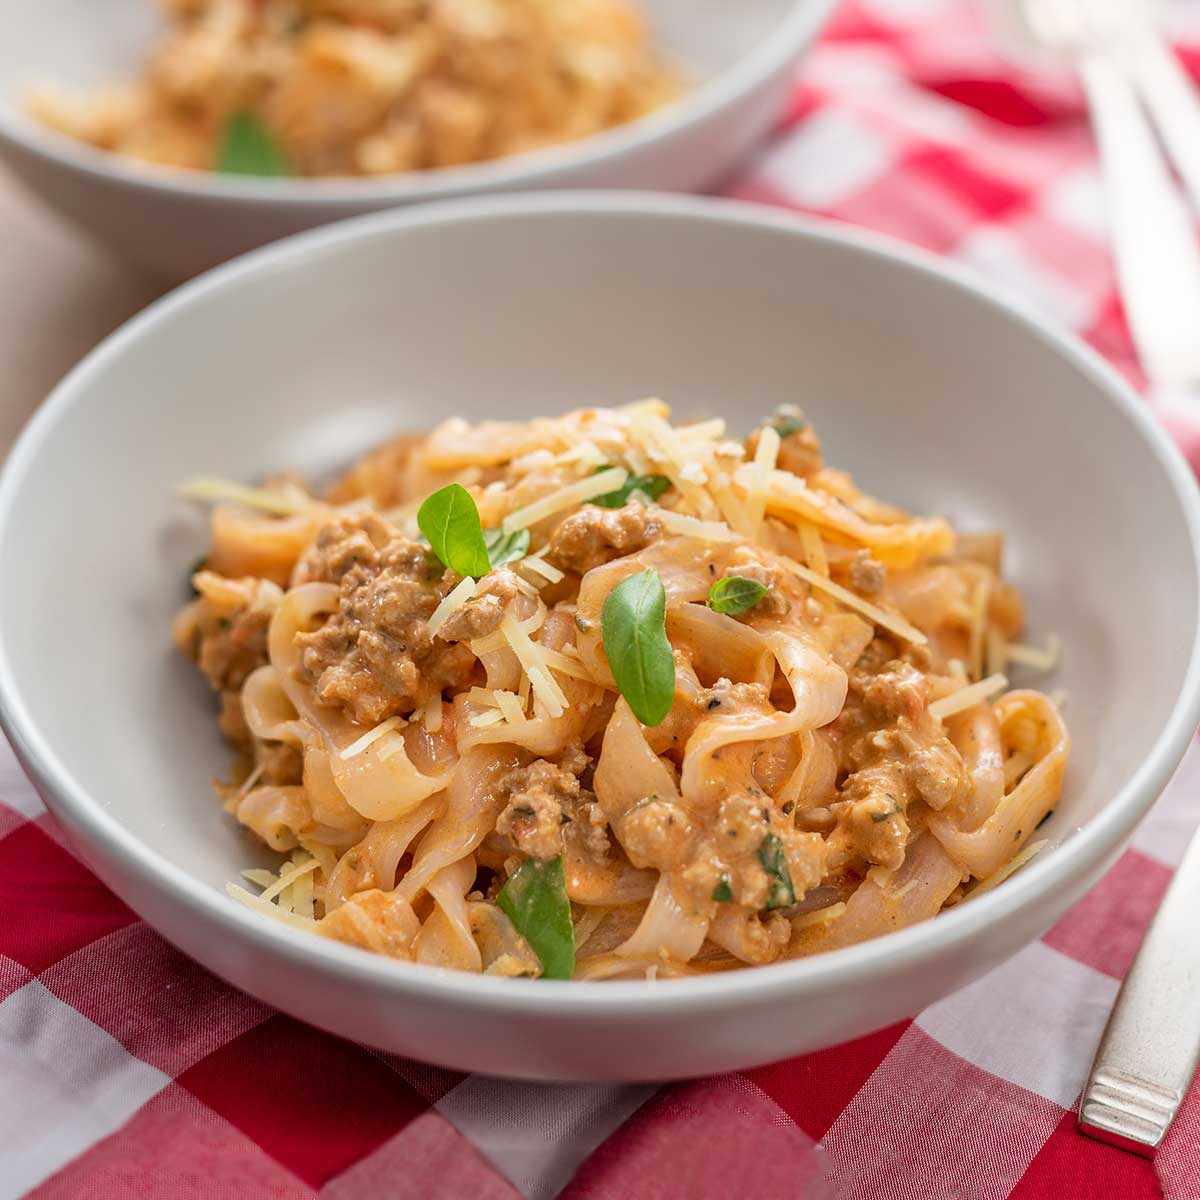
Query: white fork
{"type": "Point", "coordinates": [1156, 252]}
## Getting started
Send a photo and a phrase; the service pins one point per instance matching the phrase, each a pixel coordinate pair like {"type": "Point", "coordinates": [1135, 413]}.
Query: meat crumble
{"type": "Point", "coordinates": [375, 656]}
{"type": "Point", "coordinates": [547, 803]}
{"type": "Point", "coordinates": [593, 536]}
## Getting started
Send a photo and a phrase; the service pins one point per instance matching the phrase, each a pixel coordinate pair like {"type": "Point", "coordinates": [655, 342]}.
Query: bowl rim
{"type": "Point", "coordinates": [1089, 847]}
{"type": "Point", "coordinates": [728, 87]}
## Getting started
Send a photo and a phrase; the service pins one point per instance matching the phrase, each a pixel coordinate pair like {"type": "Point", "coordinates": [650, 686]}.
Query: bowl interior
{"type": "Point", "coordinates": [930, 394]}
{"type": "Point", "coordinates": [111, 38]}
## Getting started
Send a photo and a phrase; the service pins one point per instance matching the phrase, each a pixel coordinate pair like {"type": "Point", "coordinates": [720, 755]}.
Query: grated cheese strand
{"type": "Point", "coordinates": [1031, 656]}
{"type": "Point", "coordinates": [511, 707]}
{"type": "Point", "coordinates": [539, 566]}
{"type": "Point", "coordinates": [287, 878]}
{"type": "Point", "coordinates": [814, 549]}
{"type": "Point", "coordinates": [967, 697]}
{"type": "Point", "coordinates": [484, 720]}
{"type": "Point", "coordinates": [713, 531]}
{"type": "Point", "coordinates": [451, 603]}
{"type": "Point", "coordinates": [885, 620]}
{"type": "Point", "coordinates": [568, 497]}
{"type": "Point", "coordinates": [1013, 865]}
{"type": "Point", "coordinates": [371, 736]}
{"type": "Point", "coordinates": [759, 475]}
{"type": "Point", "coordinates": [212, 489]}
{"type": "Point", "coordinates": [819, 916]}
{"type": "Point", "coordinates": [535, 665]}
{"type": "Point", "coordinates": [268, 909]}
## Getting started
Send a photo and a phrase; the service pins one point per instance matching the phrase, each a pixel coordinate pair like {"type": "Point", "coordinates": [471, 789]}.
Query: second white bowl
{"type": "Point", "coordinates": [176, 223]}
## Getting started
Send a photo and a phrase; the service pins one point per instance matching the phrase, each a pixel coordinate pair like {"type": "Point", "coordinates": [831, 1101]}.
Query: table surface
{"type": "Point", "coordinates": [60, 293]}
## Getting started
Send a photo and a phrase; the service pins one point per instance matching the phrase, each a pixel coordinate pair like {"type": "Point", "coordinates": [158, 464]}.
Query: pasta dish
{"type": "Point", "coordinates": [601, 696]}
{"type": "Point", "coordinates": [370, 87]}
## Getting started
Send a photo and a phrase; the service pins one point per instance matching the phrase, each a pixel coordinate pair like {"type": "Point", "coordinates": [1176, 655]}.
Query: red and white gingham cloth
{"type": "Point", "coordinates": [126, 1070]}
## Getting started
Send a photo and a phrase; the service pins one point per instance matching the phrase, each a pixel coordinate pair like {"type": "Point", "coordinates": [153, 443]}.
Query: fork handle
{"type": "Point", "coordinates": [1151, 1046]}
{"type": "Point", "coordinates": [1173, 103]}
{"type": "Point", "coordinates": [1156, 252]}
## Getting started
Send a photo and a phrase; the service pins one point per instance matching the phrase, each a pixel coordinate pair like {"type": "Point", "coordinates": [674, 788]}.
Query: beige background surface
{"type": "Point", "coordinates": [59, 295]}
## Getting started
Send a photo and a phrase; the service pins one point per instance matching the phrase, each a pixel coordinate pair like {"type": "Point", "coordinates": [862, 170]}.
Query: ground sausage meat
{"type": "Point", "coordinates": [547, 802]}
{"type": "Point", "coordinates": [375, 655]}
{"type": "Point", "coordinates": [482, 614]}
{"type": "Point", "coordinates": [225, 629]}
{"type": "Point", "coordinates": [894, 754]}
{"type": "Point", "coordinates": [594, 536]}
{"type": "Point", "coordinates": [867, 573]}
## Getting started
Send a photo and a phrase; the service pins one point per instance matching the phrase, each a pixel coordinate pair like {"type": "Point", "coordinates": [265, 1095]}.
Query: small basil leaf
{"type": "Point", "coordinates": [248, 148]}
{"type": "Point", "coordinates": [535, 900]}
{"type": "Point", "coordinates": [735, 595]}
{"type": "Point", "coordinates": [786, 420]}
{"type": "Point", "coordinates": [505, 547]}
{"type": "Point", "coordinates": [723, 892]}
{"type": "Point", "coordinates": [634, 626]}
{"type": "Point", "coordinates": [780, 892]}
{"type": "Point", "coordinates": [450, 520]}
{"type": "Point", "coordinates": [649, 486]}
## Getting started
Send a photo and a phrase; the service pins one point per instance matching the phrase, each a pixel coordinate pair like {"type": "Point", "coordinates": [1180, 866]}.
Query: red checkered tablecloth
{"type": "Point", "coordinates": [126, 1070]}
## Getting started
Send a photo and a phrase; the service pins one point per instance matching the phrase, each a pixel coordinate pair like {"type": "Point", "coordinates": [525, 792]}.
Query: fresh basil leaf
{"type": "Point", "coordinates": [450, 520]}
{"type": "Point", "coordinates": [735, 594]}
{"type": "Point", "coordinates": [505, 547]}
{"type": "Point", "coordinates": [247, 147]}
{"type": "Point", "coordinates": [723, 892]}
{"type": "Point", "coordinates": [787, 419]}
{"type": "Point", "coordinates": [780, 892]}
{"type": "Point", "coordinates": [649, 486]}
{"type": "Point", "coordinates": [535, 900]}
{"type": "Point", "coordinates": [634, 627]}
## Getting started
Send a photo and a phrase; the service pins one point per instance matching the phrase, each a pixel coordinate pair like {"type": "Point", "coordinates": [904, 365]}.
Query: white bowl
{"type": "Point", "coordinates": [740, 54]}
{"type": "Point", "coordinates": [304, 354]}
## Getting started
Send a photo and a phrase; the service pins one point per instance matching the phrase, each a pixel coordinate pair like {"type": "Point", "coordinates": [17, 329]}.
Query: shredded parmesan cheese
{"type": "Point", "coordinates": [535, 665]}
{"type": "Point", "coordinates": [674, 455]}
{"type": "Point", "coordinates": [885, 620]}
{"type": "Point", "coordinates": [288, 877]}
{"type": "Point", "coordinates": [462, 592]}
{"type": "Point", "coordinates": [1014, 864]}
{"type": "Point", "coordinates": [267, 908]}
{"type": "Point", "coordinates": [483, 720]}
{"type": "Point", "coordinates": [432, 716]}
{"type": "Point", "coordinates": [712, 430]}
{"type": "Point", "coordinates": [820, 916]}
{"type": "Point", "coordinates": [568, 497]}
{"type": "Point", "coordinates": [566, 665]}
{"type": "Point", "coordinates": [968, 696]}
{"type": "Point", "coordinates": [212, 489]}
{"type": "Point", "coordinates": [713, 531]}
{"type": "Point", "coordinates": [510, 707]}
{"type": "Point", "coordinates": [814, 549]}
{"type": "Point", "coordinates": [1031, 656]}
{"type": "Point", "coordinates": [372, 735]}
{"type": "Point", "coordinates": [758, 476]}
{"type": "Point", "coordinates": [539, 566]}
